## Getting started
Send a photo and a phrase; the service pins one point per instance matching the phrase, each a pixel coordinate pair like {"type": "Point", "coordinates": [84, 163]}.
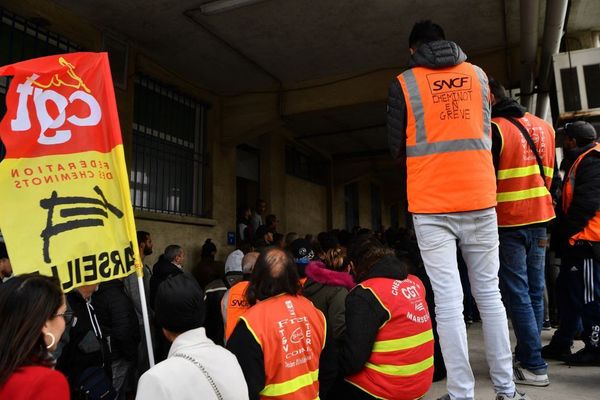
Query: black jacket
{"type": "Point", "coordinates": [438, 54]}
{"type": "Point", "coordinates": [586, 196]}
{"type": "Point", "coordinates": [81, 346]}
{"type": "Point", "coordinates": [160, 272]}
{"type": "Point", "coordinates": [213, 293]}
{"type": "Point", "coordinates": [118, 320]}
{"type": "Point", "coordinates": [364, 316]}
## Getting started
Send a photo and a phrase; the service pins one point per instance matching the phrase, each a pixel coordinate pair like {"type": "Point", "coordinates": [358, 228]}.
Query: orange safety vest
{"type": "Point", "coordinates": [401, 362]}
{"type": "Point", "coordinates": [291, 333]}
{"type": "Point", "coordinates": [591, 232]}
{"type": "Point", "coordinates": [448, 139]}
{"type": "Point", "coordinates": [236, 306]}
{"type": "Point", "coordinates": [523, 199]}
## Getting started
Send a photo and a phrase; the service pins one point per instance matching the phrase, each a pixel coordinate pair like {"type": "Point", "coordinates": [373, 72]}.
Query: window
{"type": "Point", "coordinates": [309, 167]}
{"type": "Point", "coordinates": [167, 172]}
{"type": "Point", "coordinates": [22, 40]}
{"type": "Point", "coordinates": [351, 205]}
{"type": "Point", "coordinates": [591, 74]}
{"type": "Point", "coordinates": [570, 85]}
{"type": "Point", "coordinates": [375, 208]}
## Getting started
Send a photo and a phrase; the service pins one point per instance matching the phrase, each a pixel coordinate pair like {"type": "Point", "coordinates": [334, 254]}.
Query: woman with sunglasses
{"type": "Point", "coordinates": [33, 315]}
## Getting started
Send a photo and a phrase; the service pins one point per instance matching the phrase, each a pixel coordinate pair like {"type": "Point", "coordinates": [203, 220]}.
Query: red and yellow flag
{"type": "Point", "coordinates": [64, 192]}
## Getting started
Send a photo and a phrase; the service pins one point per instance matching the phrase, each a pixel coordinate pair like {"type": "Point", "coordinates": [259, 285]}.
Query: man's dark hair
{"type": "Point", "coordinates": [172, 251]}
{"type": "Point", "coordinates": [142, 236]}
{"type": "Point", "coordinates": [497, 89]}
{"type": "Point", "coordinates": [365, 251]}
{"type": "Point", "coordinates": [270, 220]}
{"type": "Point", "coordinates": [425, 32]}
{"type": "Point", "coordinates": [274, 273]}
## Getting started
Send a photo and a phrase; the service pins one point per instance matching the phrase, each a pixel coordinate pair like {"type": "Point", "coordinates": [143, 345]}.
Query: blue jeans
{"type": "Point", "coordinates": [522, 262]}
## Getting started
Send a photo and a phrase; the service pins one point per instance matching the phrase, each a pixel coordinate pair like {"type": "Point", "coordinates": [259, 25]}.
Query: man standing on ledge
{"type": "Point", "coordinates": [439, 130]}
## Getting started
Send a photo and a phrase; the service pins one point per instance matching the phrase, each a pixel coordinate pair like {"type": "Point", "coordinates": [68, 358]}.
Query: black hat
{"type": "Point", "coordinates": [578, 130]}
{"type": "Point", "coordinates": [302, 251]}
{"type": "Point", "coordinates": [179, 304]}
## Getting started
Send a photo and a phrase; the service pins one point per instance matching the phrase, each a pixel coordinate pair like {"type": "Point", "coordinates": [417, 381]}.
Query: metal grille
{"type": "Point", "coordinates": [167, 173]}
{"type": "Point", "coordinates": [22, 40]}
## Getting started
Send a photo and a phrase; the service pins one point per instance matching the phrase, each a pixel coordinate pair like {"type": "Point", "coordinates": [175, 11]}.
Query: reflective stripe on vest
{"type": "Point", "coordinates": [293, 385]}
{"type": "Point", "coordinates": [524, 171]}
{"type": "Point", "coordinates": [403, 343]}
{"type": "Point", "coordinates": [591, 232]}
{"type": "Point", "coordinates": [422, 146]}
{"type": "Point", "coordinates": [403, 370]}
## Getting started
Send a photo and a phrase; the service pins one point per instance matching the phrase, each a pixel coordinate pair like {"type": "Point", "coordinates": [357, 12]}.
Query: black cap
{"type": "Point", "coordinates": [578, 130]}
{"type": "Point", "coordinates": [179, 304]}
{"type": "Point", "coordinates": [302, 251]}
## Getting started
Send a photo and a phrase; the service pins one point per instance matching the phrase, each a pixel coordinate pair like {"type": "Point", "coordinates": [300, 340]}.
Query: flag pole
{"type": "Point", "coordinates": [146, 319]}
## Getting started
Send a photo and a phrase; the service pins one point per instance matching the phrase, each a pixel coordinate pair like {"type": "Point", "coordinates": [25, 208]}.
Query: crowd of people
{"type": "Point", "coordinates": [354, 315]}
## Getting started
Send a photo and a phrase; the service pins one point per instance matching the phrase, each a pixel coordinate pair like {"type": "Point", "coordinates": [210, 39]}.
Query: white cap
{"type": "Point", "coordinates": [234, 261]}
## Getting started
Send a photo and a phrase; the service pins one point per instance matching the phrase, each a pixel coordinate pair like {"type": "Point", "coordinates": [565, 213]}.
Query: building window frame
{"type": "Point", "coordinates": [168, 169]}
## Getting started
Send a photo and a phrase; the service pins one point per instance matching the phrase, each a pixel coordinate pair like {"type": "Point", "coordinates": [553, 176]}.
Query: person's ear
{"type": "Point", "coordinates": [411, 50]}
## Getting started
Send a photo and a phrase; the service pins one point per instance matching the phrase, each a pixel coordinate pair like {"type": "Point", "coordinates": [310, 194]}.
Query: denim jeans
{"type": "Point", "coordinates": [522, 270]}
{"type": "Point", "coordinates": [477, 235]}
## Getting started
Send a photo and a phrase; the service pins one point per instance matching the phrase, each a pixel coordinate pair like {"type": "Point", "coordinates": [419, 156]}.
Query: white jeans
{"type": "Point", "coordinates": [477, 235]}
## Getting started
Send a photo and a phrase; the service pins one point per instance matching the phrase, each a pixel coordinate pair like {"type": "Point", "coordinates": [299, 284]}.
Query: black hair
{"type": "Point", "coordinates": [365, 251]}
{"type": "Point", "coordinates": [274, 273]}
{"type": "Point", "coordinates": [425, 32]}
{"type": "Point", "coordinates": [26, 303]}
{"type": "Point", "coordinates": [497, 89]}
{"type": "Point", "coordinates": [271, 218]}
{"type": "Point", "coordinates": [142, 236]}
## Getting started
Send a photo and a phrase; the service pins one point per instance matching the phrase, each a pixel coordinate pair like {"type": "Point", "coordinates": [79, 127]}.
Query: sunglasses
{"type": "Point", "coordinates": [67, 315]}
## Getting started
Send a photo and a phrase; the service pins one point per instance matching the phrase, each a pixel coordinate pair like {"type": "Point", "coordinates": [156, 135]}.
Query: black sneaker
{"type": "Point", "coordinates": [554, 352]}
{"type": "Point", "coordinates": [584, 357]}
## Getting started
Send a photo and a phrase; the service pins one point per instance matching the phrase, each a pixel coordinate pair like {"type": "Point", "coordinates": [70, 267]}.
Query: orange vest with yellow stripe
{"type": "Point", "coordinates": [401, 362]}
{"type": "Point", "coordinates": [523, 198]}
{"type": "Point", "coordinates": [591, 232]}
{"type": "Point", "coordinates": [236, 306]}
{"type": "Point", "coordinates": [291, 333]}
{"type": "Point", "coordinates": [448, 139]}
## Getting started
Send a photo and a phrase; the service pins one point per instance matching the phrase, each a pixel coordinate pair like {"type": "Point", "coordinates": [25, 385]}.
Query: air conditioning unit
{"type": "Point", "coordinates": [577, 75]}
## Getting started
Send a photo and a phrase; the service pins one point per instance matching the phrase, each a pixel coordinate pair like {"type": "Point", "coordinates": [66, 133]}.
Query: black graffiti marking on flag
{"type": "Point", "coordinates": [103, 206]}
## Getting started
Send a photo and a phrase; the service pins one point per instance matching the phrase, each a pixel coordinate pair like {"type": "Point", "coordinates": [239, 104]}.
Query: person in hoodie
{"type": "Point", "coordinates": [327, 285]}
{"type": "Point", "coordinates": [525, 175]}
{"type": "Point", "coordinates": [387, 349]}
{"type": "Point", "coordinates": [439, 132]}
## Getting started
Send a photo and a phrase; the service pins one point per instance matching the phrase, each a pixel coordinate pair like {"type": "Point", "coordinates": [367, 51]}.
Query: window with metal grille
{"type": "Point", "coordinates": [20, 40]}
{"type": "Point", "coordinates": [167, 172]}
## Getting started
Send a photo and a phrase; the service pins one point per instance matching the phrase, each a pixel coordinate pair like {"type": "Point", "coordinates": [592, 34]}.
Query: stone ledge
{"type": "Point", "coordinates": [173, 218]}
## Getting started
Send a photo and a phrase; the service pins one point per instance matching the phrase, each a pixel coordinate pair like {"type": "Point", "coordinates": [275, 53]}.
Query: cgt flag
{"type": "Point", "coordinates": [64, 204]}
